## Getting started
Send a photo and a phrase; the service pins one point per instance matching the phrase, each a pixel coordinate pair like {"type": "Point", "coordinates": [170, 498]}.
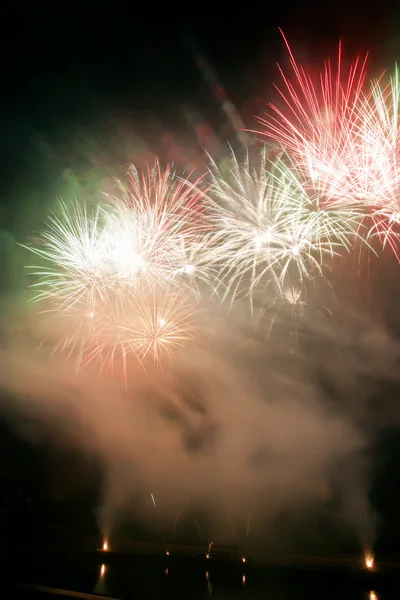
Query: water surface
{"type": "Point", "coordinates": [147, 577]}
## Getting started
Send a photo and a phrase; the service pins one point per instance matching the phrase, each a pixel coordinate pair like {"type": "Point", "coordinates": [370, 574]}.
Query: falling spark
{"type": "Point", "coordinates": [209, 584]}
{"type": "Point", "coordinates": [243, 579]}
{"type": "Point", "coordinates": [231, 523]}
{"type": "Point", "coordinates": [176, 522]}
{"type": "Point", "coordinates": [243, 559]}
{"type": "Point", "coordinates": [158, 517]}
{"type": "Point", "coordinates": [373, 596]}
{"type": "Point", "coordinates": [102, 570]}
{"type": "Point", "coordinates": [197, 526]}
{"type": "Point", "coordinates": [166, 572]}
{"type": "Point", "coordinates": [105, 545]}
{"type": "Point", "coordinates": [167, 552]}
{"type": "Point", "coordinates": [248, 526]}
{"type": "Point", "coordinates": [292, 295]}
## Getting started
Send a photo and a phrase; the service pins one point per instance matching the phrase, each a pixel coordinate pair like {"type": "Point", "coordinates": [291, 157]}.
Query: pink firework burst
{"type": "Point", "coordinates": [344, 136]}
{"type": "Point", "coordinates": [315, 122]}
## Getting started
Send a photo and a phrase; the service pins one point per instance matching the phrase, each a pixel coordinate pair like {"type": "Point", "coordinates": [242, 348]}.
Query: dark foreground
{"type": "Point", "coordinates": [70, 574]}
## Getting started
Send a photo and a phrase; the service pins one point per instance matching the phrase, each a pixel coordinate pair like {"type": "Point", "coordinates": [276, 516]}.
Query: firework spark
{"type": "Point", "coordinates": [316, 123]}
{"type": "Point", "coordinates": [292, 295]}
{"type": "Point", "coordinates": [160, 221]}
{"type": "Point", "coordinates": [377, 180]}
{"type": "Point", "coordinates": [121, 280]}
{"type": "Point", "coordinates": [142, 328]}
{"type": "Point", "coordinates": [344, 136]}
{"type": "Point", "coordinates": [73, 248]}
{"type": "Point", "coordinates": [269, 227]}
{"type": "Point", "coordinates": [125, 279]}
{"type": "Point", "coordinates": [149, 239]}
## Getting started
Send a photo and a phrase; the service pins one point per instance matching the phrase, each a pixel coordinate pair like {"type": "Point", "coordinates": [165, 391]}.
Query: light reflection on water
{"type": "Point", "coordinates": [209, 584]}
{"type": "Point", "coordinates": [157, 580]}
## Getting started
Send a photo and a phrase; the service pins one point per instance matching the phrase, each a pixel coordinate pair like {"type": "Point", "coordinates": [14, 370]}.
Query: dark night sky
{"type": "Point", "coordinates": [73, 66]}
{"type": "Point", "coordinates": [94, 66]}
{"type": "Point", "coordinates": [80, 66]}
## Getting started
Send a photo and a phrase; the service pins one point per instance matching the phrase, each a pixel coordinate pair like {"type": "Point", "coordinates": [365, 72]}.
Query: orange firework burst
{"type": "Point", "coordinates": [135, 329]}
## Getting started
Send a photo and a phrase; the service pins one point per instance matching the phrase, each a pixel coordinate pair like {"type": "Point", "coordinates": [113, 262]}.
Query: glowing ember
{"type": "Point", "coordinates": [167, 552]}
{"type": "Point", "coordinates": [373, 596]}
{"type": "Point", "coordinates": [243, 559]}
{"type": "Point", "coordinates": [369, 561]}
{"type": "Point", "coordinates": [102, 570]}
{"type": "Point", "coordinates": [207, 555]}
{"type": "Point", "coordinates": [105, 545]}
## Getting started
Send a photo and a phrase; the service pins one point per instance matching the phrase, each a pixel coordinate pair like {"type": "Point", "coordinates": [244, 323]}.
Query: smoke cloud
{"type": "Point", "coordinates": [239, 422]}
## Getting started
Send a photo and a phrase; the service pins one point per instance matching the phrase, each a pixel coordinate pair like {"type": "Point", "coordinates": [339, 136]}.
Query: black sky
{"type": "Point", "coordinates": [85, 65]}
{"type": "Point", "coordinates": [71, 62]}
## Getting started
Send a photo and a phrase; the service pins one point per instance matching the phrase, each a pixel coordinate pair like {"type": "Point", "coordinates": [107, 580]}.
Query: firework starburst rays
{"type": "Point", "coordinates": [139, 242]}
{"type": "Point", "coordinates": [125, 278]}
{"type": "Point", "coordinates": [162, 221]}
{"type": "Point", "coordinates": [377, 180]}
{"type": "Point", "coordinates": [314, 124]}
{"type": "Point", "coordinates": [161, 324]}
{"type": "Point", "coordinates": [151, 326]}
{"type": "Point", "coordinates": [105, 268]}
{"type": "Point", "coordinates": [124, 281]}
{"type": "Point", "coordinates": [269, 224]}
{"type": "Point", "coordinates": [76, 262]}
{"type": "Point", "coordinates": [344, 136]}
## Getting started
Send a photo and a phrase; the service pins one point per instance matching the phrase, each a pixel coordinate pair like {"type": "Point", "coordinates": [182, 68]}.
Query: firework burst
{"type": "Point", "coordinates": [376, 183]}
{"type": "Point", "coordinates": [344, 136]}
{"type": "Point", "coordinates": [158, 229]}
{"type": "Point", "coordinates": [151, 238]}
{"type": "Point", "coordinates": [123, 279]}
{"type": "Point", "coordinates": [316, 122]}
{"type": "Point", "coordinates": [76, 268]}
{"type": "Point", "coordinates": [270, 228]}
{"type": "Point", "coordinates": [147, 328]}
